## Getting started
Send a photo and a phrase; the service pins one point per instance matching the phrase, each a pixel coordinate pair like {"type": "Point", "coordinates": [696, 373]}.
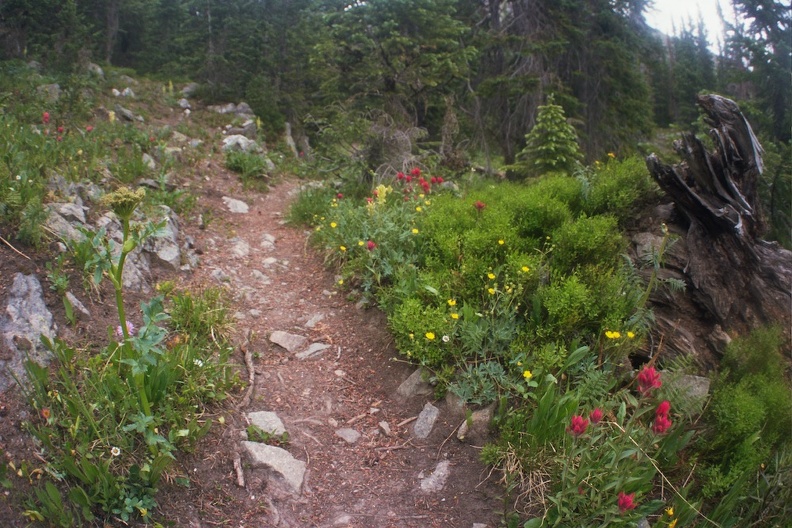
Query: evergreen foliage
{"type": "Point", "coordinates": [551, 145]}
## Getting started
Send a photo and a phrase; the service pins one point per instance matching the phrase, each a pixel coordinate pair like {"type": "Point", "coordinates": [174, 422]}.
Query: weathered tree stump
{"type": "Point", "coordinates": [737, 278]}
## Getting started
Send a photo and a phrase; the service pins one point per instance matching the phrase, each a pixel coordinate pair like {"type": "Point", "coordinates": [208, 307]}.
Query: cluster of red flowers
{"type": "Point", "coordinates": [578, 425]}
{"type": "Point", "coordinates": [370, 245]}
{"type": "Point", "coordinates": [626, 501]}
{"type": "Point", "coordinates": [648, 380]}
{"type": "Point", "coordinates": [45, 118]}
{"type": "Point", "coordinates": [415, 174]}
{"type": "Point", "coordinates": [479, 205]}
{"type": "Point", "coordinates": [662, 422]}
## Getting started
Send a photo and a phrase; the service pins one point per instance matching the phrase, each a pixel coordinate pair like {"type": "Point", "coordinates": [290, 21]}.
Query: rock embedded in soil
{"type": "Point", "coordinates": [414, 386]}
{"type": "Point", "coordinates": [22, 324]}
{"type": "Point", "coordinates": [267, 421]}
{"type": "Point", "coordinates": [235, 206]}
{"type": "Point", "coordinates": [384, 428]}
{"type": "Point", "coordinates": [78, 305]}
{"type": "Point", "coordinates": [348, 434]}
{"type": "Point", "coordinates": [313, 350]}
{"type": "Point", "coordinates": [291, 342]}
{"type": "Point", "coordinates": [280, 461]}
{"type": "Point", "coordinates": [475, 430]}
{"type": "Point", "coordinates": [426, 420]}
{"type": "Point", "coordinates": [436, 481]}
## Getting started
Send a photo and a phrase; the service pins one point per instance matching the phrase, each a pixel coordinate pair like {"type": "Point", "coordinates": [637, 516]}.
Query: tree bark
{"type": "Point", "coordinates": [737, 278]}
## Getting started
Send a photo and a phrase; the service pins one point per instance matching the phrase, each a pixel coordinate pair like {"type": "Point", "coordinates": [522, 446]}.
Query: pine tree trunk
{"type": "Point", "coordinates": [738, 279]}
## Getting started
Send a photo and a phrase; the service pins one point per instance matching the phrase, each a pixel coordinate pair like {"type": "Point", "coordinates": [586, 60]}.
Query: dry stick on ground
{"type": "Point", "coordinates": [240, 474]}
{"type": "Point", "coordinates": [15, 250]}
{"type": "Point", "coordinates": [245, 348]}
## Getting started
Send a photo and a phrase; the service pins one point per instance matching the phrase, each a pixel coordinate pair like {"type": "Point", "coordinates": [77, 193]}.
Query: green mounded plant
{"type": "Point", "coordinates": [250, 167]}
{"type": "Point", "coordinates": [750, 414]}
{"type": "Point", "coordinates": [619, 188]}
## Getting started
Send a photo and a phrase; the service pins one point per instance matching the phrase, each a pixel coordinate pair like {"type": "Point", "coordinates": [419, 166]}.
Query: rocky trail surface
{"type": "Point", "coordinates": [367, 442]}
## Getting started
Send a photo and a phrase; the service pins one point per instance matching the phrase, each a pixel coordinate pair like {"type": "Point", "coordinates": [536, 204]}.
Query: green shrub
{"type": "Point", "coordinates": [589, 240]}
{"type": "Point", "coordinates": [248, 165]}
{"type": "Point", "coordinates": [751, 410]}
{"type": "Point", "coordinates": [419, 332]}
{"type": "Point", "coordinates": [620, 188]}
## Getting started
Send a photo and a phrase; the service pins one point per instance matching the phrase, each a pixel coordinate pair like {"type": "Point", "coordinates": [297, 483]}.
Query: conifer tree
{"type": "Point", "coordinates": [551, 145]}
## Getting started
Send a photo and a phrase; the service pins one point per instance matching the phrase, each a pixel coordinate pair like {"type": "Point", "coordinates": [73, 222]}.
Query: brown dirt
{"type": "Point", "coordinates": [374, 482]}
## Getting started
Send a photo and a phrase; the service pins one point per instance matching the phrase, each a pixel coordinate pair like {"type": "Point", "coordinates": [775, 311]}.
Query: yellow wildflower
{"type": "Point", "coordinates": [612, 335]}
{"type": "Point", "coordinates": [525, 269]}
{"type": "Point", "coordinates": [419, 209]}
{"type": "Point", "coordinates": [360, 242]}
{"type": "Point", "coordinates": [430, 336]}
{"type": "Point", "coordinates": [333, 225]}
{"type": "Point", "coordinates": [340, 282]}
{"type": "Point", "coordinates": [490, 276]}
{"type": "Point", "coordinates": [415, 231]}
{"type": "Point", "coordinates": [491, 291]}
{"type": "Point", "coordinates": [501, 242]}
{"type": "Point", "coordinates": [672, 524]}
{"type": "Point", "coordinates": [342, 248]}
{"type": "Point", "coordinates": [454, 315]}
{"type": "Point", "coordinates": [527, 375]}
{"type": "Point", "coordinates": [670, 511]}
{"type": "Point", "coordinates": [451, 302]}
{"type": "Point", "coordinates": [631, 334]}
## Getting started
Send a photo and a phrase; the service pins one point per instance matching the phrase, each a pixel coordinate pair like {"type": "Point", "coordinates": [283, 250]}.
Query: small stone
{"type": "Point", "coordinates": [436, 481]}
{"type": "Point", "coordinates": [290, 342]}
{"type": "Point", "coordinates": [260, 277]}
{"type": "Point", "coordinates": [414, 386]}
{"type": "Point", "coordinates": [426, 420]}
{"type": "Point", "coordinates": [479, 525]}
{"type": "Point", "coordinates": [269, 262]}
{"type": "Point", "coordinates": [384, 427]}
{"type": "Point", "coordinates": [312, 322]}
{"type": "Point", "coordinates": [79, 306]}
{"type": "Point", "coordinates": [312, 350]}
{"type": "Point", "coordinates": [240, 249]}
{"type": "Point", "coordinates": [235, 206]}
{"type": "Point", "coordinates": [149, 162]}
{"type": "Point", "coordinates": [267, 421]}
{"type": "Point", "coordinates": [278, 460]}
{"type": "Point", "coordinates": [220, 275]}
{"type": "Point", "coordinates": [349, 435]}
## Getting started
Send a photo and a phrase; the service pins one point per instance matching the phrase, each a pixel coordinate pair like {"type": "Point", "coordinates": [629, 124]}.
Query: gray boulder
{"type": "Point", "coordinates": [23, 322]}
{"type": "Point", "coordinates": [239, 142]}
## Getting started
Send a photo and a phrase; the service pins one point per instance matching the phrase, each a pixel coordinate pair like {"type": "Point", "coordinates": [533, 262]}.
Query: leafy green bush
{"type": "Point", "coordinates": [589, 240]}
{"type": "Point", "coordinates": [248, 165]}
{"type": "Point", "coordinates": [421, 331]}
{"type": "Point", "coordinates": [619, 188]}
{"type": "Point", "coordinates": [751, 410]}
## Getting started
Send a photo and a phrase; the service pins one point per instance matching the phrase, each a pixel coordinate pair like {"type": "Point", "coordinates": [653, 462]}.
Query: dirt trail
{"type": "Point", "coordinates": [278, 284]}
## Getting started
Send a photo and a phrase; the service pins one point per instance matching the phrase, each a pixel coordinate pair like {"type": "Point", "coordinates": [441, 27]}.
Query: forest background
{"type": "Point", "coordinates": [483, 65]}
